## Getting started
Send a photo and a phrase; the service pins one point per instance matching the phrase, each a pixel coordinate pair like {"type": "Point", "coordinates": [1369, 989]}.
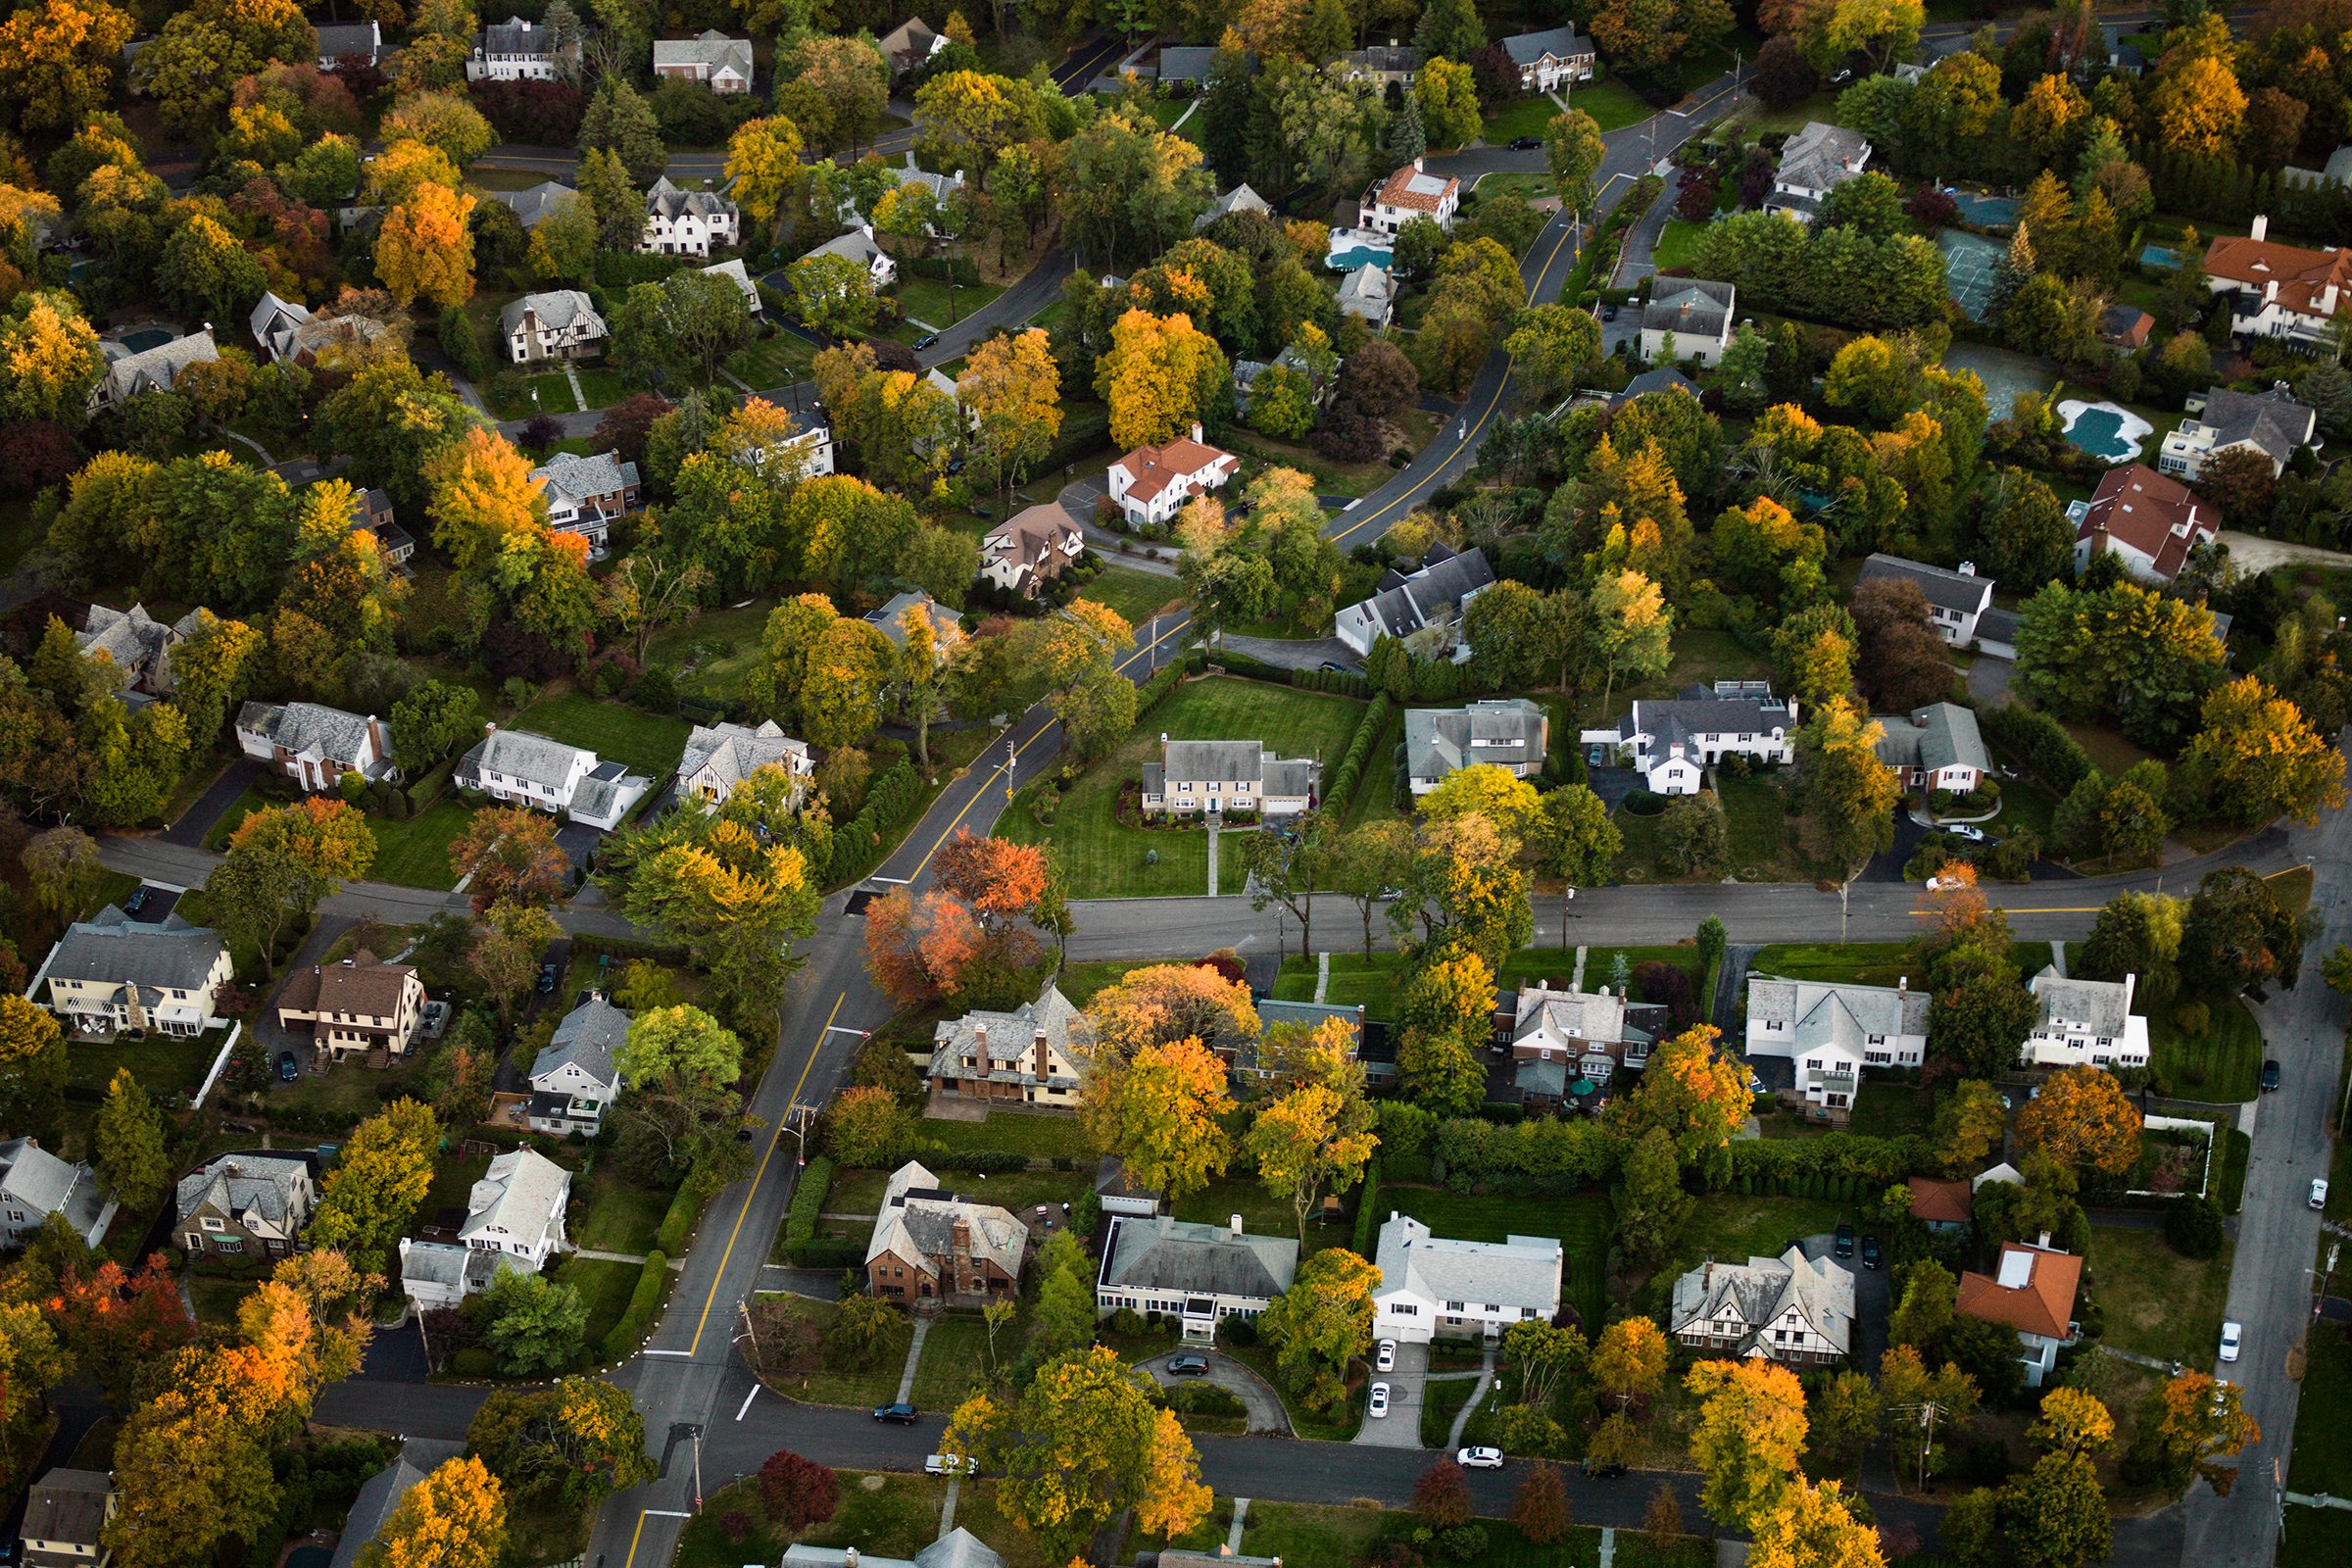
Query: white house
{"type": "Point", "coordinates": [1430, 1285]}
{"type": "Point", "coordinates": [586, 495]}
{"type": "Point", "coordinates": [2034, 1292]}
{"type": "Point", "coordinates": [35, 1184]}
{"type": "Point", "coordinates": [1687, 319]}
{"type": "Point", "coordinates": [1934, 748]}
{"type": "Point", "coordinates": [1410, 193]}
{"type": "Point", "coordinates": [554, 325]}
{"type": "Point", "coordinates": [435, 1274]}
{"type": "Point", "coordinates": [65, 1515]}
{"type": "Point", "coordinates": [515, 50]}
{"type": "Point", "coordinates": [1431, 595]}
{"type": "Point", "coordinates": [1196, 1274]}
{"type": "Point", "coordinates": [1239, 199]}
{"type": "Point", "coordinates": [1816, 161]}
{"type": "Point", "coordinates": [1369, 295]}
{"type": "Point", "coordinates": [339, 41]}
{"type": "Point", "coordinates": [314, 745]}
{"type": "Point", "coordinates": [291, 332]}
{"type": "Point", "coordinates": [1151, 484]}
{"type": "Point", "coordinates": [2084, 1022]}
{"type": "Point", "coordinates": [735, 272]}
{"type": "Point", "coordinates": [687, 222]}
{"type": "Point", "coordinates": [111, 973]}
{"type": "Point", "coordinates": [1957, 597]}
{"type": "Point", "coordinates": [1549, 58]}
{"type": "Point", "coordinates": [517, 1210]}
{"type": "Point", "coordinates": [155, 370]}
{"type": "Point", "coordinates": [521, 769]}
{"type": "Point", "coordinates": [1220, 777]}
{"type": "Point", "coordinates": [718, 757]}
{"type": "Point", "coordinates": [1029, 551]}
{"type": "Point", "coordinates": [1793, 1309]}
{"type": "Point", "coordinates": [2279, 291]}
{"type": "Point", "coordinates": [1834, 1033]}
{"type": "Point", "coordinates": [2151, 523]}
{"type": "Point", "coordinates": [1671, 743]}
{"type": "Point", "coordinates": [712, 58]}
{"type": "Point", "coordinates": [574, 1080]}
{"type": "Point", "coordinates": [1506, 732]}
{"type": "Point", "coordinates": [860, 247]}
{"type": "Point", "coordinates": [2270, 423]}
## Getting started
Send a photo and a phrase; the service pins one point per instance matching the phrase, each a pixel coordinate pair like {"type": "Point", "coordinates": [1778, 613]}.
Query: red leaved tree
{"type": "Point", "coordinates": [797, 1492]}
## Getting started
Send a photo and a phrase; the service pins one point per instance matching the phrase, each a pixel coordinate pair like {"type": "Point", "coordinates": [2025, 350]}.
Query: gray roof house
{"type": "Point", "coordinates": [1691, 316]}
{"type": "Point", "coordinates": [444, 1273]}
{"type": "Point", "coordinates": [1383, 63]}
{"type": "Point", "coordinates": [253, 1204]}
{"type": "Point", "coordinates": [1218, 776]}
{"type": "Point", "coordinates": [1554, 1031]}
{"type": "Point", "coordinates": [1033, 1055]}
{"type": "Point", "coordinates": [1506, 732]}
{"type": "Point", "coordinates": [946, 626]}
{"type": "Point", "coordinates": [1547, 59]}
{"type": "Point", "coordinates": [111, 973]}
{"type": "Point", "coordinates": [339, 41]}
{"type": "Point", "coordinates": [1430, 596]}
{"type": "Point", "coordinates": [2270, 422]}
{"type": "Point", "coordinates": [859, 245]}
{"type": "Point", "coordinates": [154, 369]}
{"type": "Point", "coordinates": [1369, 294]}
{"type": "Point", "coordinates": [314, 745]}
{"type": "Point", "coordinates": [35, 1184]}
{"type": "Point", "coordinates": [1432, 1285]}
{"type": "Point", "coordinates": [1832, 1034]}
{"type": "Point", "coordinates": [1185, 63]}
{"type": "Point", "coordinates": [1239, 199]}
{"type": "Point", "coordinates": [1671, 741]}
{"type": "Point", "coordinates": [535, 203]}
{"type": "Point", "coordinates": [1197, 1274]}
{"type": "Point", "coordinates": [1816, 161]}
{"type": "Point", "coordinates": [556, 323]}
{"type": "Point", "coordinates": [710, 57]}
{"type": "Point", "coordinates": [930, 1245]}
{"type": "Point", "coordinates": [1793, 1309]}
{"type": "Point", "coordinates": [958, 1549]}
{"type": "Point", "coordinates": [1934, 748]}
{"type": "Point", "coordinates": [574, 1080]}
{"type": "Point", "coordinates": [517, 1207]}
{"type": "Point", "coordinates": [1665, 378]}
{"type": "Point", "coordinates": [518, 767]}
{"type": "Point", "coordinates": [139, 644]}
{"type": "Point", "coordinates": [718, 757]}
{"type": "Point", "coordinates": [1957, 597]}
{"type": "Point", "coordinates": [382, 1491]}
{"type": "Point", "coordinates": [64, 1514]}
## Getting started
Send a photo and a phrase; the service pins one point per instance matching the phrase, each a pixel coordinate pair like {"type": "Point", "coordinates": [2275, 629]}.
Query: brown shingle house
{"type": "Point", "coordinates": [355, 1007]}
{"type": "Point", "coordinates": [931, 1246]}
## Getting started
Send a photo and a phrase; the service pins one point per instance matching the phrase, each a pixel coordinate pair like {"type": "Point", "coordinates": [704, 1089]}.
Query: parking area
{"type": "Point", "coordinates": [1401, 1428]}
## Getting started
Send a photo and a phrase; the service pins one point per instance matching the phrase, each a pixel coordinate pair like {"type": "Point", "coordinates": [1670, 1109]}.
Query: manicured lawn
{"type": "Point", "coordinates": [882, 1515]}
{"type": "Point", "coordinates": [1082, 982]}
{"type": "Point", "coordinates": [925, 299]}
{"type": "Point", "coordinates": [1305, 1535]}
{"type": "Point", "coordinates": [1678, 241]}
{"type": "Point", "coordinates": [415, 852]}
{"type": "Point", "coordinates": [1105, 858]}
{"type": "Point", "coordinates": [606, 1287]}
{"type": "Point", "coordinates": [1582, 1222]}
{"type": "Point", "coordinates": [2322, 1459]}
{"type": "Point", "coordinates": [710, 657]}
{"type": "Point", "coordinates": [605, 388]}
{"type": "Point", "coordinates": [1527, 187]}
{"type": "Point", "coordinates": [1040, 1137]}
{"type": "Point", "coordinates": [350, 1092]}
{"type": "Point", "coordinates": [2292, 888]}
{"type": "Point", "coordinates": [2157, 1302]}
{"type": "Point", "coordinates": [216, 1299]}
{"type": "Point", "coordinates": [2225, 1068]}
{"type": "Point", "coordinates": [1134, 593]}
{"type": "Point", "coordinates": [1521, 117]}
{"type": "Point", "coordinates": [1870, 963]}
{"type": "Point", "coordinates": [1764, 839]}
{"type": "Point", "coordinates": [1376, 789]}
{"type": "Point", "coordinates": [1612, 104]}
{"type": "Point", "coordinates": [621, 1217]}
{"type": "Point", "coordinates": [955, 1359]}
{"type": "Point", "coordinates": [1734, 1227]}
{"type": "Point", "coordinates": [649, 743]}
{"type": "Point", "coordinates": [168, 1067]}
{"type": "Point", "coordinates": [243, 807]}
{"type": "Point", "coordinates": [772, 362]}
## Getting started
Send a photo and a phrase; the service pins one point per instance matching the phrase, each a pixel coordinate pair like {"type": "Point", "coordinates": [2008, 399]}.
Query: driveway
{"type": "Point", "coordinates": [1401, 1428]}
{"type": "Point", "coordinates": [1612, 784]}
{"type": "Point", "coordinates": [1871, 1300]}
{"type": "Point", "coordinates": [1294, 652]}
{"type": "Point", "coordinates": [1264, 1406]}
{"type": "Point", "coordinates": [198, 819]}
{"type": "Point", "coordinates": [1988, 680]}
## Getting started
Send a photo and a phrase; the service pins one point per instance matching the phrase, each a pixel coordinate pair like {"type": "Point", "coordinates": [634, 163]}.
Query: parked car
{"type": "Point", "coordinates": [1872, 1258]}
{"type": "Point", "coordinates": [1609, 313]}
{"type": "Point", "coordinates": [546, 978]}
{"type": "Point", "coordinates": [1961, 831]}
{"type": "Point", "coordinates": [2269, 1073]}
{"type": "Point", "coordinates": [1380, 1401]}
{"type": "Point", "coordinates": [1188, 1366]}
{"type": "Point", "coordinates": [925, 341]}
{"type": "Point", "coordinates": [289, 1067]}
{"type": "Point", "coordinates": [138, 899]}
{"type": "Point", "coordinates": [1842, 77]}
{"type": "Point", "coordinates": [1936, 884]}
{"type": "Point", "coordinates": [1384, 1359]}
{"type": "Point", "coordinates": [2318, 1191]}
{"type": "Point", "coordinates": [1479, 1458]}
{"type": "Point", "coordinates": [1846, 1241]}
{"type": "Point", "coordinates": [1526, 144]}
{"type": "Point", "coordinates": [1756, 1083]}
{"type": "Point", "coordinates": [945, 1465]}
{"type": "Point", "coordinates": [1332, 667]}
{"type": "Point", "coordinates": [2232, 1335]}
{"type": "Point", "coordinates": [902, 1414]}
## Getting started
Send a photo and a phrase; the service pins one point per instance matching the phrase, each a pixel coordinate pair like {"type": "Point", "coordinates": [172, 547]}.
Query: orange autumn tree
{"type": "Point", "coordinates": [512, 857]}
{"type": "Point", "coordinates": [1161, 1111]}
{"type": "Point", "coordinates": [1698, 1094]}
{"type": "Point", "coordinates": [967, 938]}
{"type": "Point", "coordinates": [1168, 1002]}
{"type": "Point", "coordinates": [2082, 1117]}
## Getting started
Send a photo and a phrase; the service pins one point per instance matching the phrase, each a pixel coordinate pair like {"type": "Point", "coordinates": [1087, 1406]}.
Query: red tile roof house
{"type": "Point", "coordinates": [1151, 484]}
{"type": "Point", "coordinates": [2152, 523]}
{"type": "Point", "coordinates": [2279, 291]}
{"type": "Point", "coordinates": [1944, 1208]}
{"type": "Point", "coordinates": [2034, 1293]}
{"type": "Point", "coordinates": [1410, 193]}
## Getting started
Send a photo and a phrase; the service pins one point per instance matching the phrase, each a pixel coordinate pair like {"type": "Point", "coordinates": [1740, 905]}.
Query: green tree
{"type": "Point", "coordinates": [1322, 1323]}
{"type": "Point", "coordinates": [531, 1323]}
{"type": "Point", "coordinates": [378, 1181]}
{"type": "Point", "coordinates": [133, 1164]}
{"type": "Point", "coordinates": [1654, 1206]}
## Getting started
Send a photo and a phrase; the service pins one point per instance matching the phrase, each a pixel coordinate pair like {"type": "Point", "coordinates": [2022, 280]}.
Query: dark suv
{"type": "Point", "coordinates": [1846, 1241]}
{"type": "Point", "coordinates": [1188, 1366]}
{"type": "Point", "coordinates": [902, 1414]}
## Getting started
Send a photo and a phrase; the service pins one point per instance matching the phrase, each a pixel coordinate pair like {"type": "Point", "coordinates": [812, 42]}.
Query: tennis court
{"type": "Point", "coordinates": [1969, 260]}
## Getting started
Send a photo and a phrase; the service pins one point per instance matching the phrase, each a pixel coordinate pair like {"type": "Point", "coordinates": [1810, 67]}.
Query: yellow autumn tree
{"type": "Point", "coordinates": [1698, 1094]}
{"type": "Point", "coordinates": [1314, 1139]}
{"type": "Point", "coordinates": [454, 1518]}
{"type": "Point", "coordinates": [1164, 1001]}
{"type": "Point", "coordinates": [1172, 1497]}
{"type": "Point", "coordinates": [1160, 1114]}
{"type": "Point", "coordinates": [1158, 377]}
{"type": "Point", "coordinates": [479, 493]}
{"type": "Point", "coordinates": [1811, 1526]}
{"type": "Point", "coordinates": [58, 58]}
{"type": "Point", "coordinates": [425, 251]}
{"type": "Point", "coordinates": [1751, 1433]}
{"type": "Point", "coordinates": [763, 164]}
{"type": "Point", "coordinates": [1012, 397]}
{"type": "Point", "coordinates": [2200, 109]}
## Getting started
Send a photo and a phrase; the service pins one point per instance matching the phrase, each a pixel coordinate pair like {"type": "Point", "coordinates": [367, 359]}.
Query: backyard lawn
{"type": "Point", "coordinates": [2225, 1066]}
{"type": "Point", "coordinates": [1677, 243]}
{"type": "Point", "coordinates": [1733, 1228]}
{"type": "Point", "coordinates": [1103, 857]}
{"type": "Point", "coordinates": [415, 852]}
{"type": "Point", "coordinates": [1870, 963]}
{"type": "Point", "coordinates": [773, 362]}
{"type": "Point", "coordinates": [621, 1217]}
{"type": "Point", "coordinates": [1582, 1222]}
{"type": "Point", "coordinates": [172, 1068]}
{"type": "Point", "coordinates": [648, 742]}
{"type": "Point", "coordinates": [2157, 1302]}
{"type": "Point", "coordinates": [1039, 1136]}
{"type": "Point", "coordinates": [606, 1287]}
{"type": "Point", "coordinates": [1134, 593]}
{"type": "Point", "coordinates": [882, 1515]}
{"type": "Point", "coordinates": [710, 655]}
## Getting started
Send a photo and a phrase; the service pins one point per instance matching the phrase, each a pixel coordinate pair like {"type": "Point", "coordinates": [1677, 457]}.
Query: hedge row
{"type": "Point", "coordinates": [1344, 682]}
{"type": "Point", "coordinates": [588, 945]}
{"type": "Point", "coordinates": [2039, 741]}
{"type": "Point", "coordinates": [1164, 680]}
{"type": "Point", "coordinates": [863, 841]}
{"type": "Point", "coordinates": [827, 1251]}
{"type": "Point", "coordinates": [1367, 1209]}
{"type": "Point", "coordinates": [425, 792]}
{"type": "Point", "coordinates": [677, 1225]}
{"type": "Point", "coordinates": [1547, 1158]}
{"type": "Point", "coordinates": [645, 1305]}
{"type": "Point", "coordinates": [808, 1201]}
{"type": "Point", "coordinates": [1341, 788]}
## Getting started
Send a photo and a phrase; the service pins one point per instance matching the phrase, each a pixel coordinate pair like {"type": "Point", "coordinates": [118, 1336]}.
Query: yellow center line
{"type": "Point", "coordinates": [634, 1535]}
{"type": "Point", "coordinates": [2013, 908]}
{"type": "Point", "coordinates": [773, 1139]}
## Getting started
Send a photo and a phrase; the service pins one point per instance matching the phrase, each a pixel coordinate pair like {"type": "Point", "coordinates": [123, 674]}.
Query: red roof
{"type": "Point", "coordinates": [1947, 1202]}
{"type": "Point", "coordinates": [1417, 190]}
{"type": "Point", "coordinates": [2303, 276]}
{"type": "Point", "coordinates": [2044, 1305]}
{"type": "Point", "coordinates": [1153, 469]}
{"type": "Point", "coordinates": [2157, 517]}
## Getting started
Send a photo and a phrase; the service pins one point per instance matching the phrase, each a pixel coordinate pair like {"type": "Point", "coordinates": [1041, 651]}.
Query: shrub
{"type": "Point", "coordinates": [677, 1225]}
{"type": "Point", "coordinates": [474, 1361]}
{"type": "Point", "coordinates": [808, 1202]}
{"type": "Point", "coordinates": [1463, 1542]}
{"type": "Point", "coordinates": [1126, 1322]}
{"type": "Point", "coordinates": [2194, 1229]}
{"type": "Point", "coordinates": [2039, 741]}
{"type": "Point", "coordinates": [2194, 1019]}
{"type": "Point", "coordinates": [645, 1305]}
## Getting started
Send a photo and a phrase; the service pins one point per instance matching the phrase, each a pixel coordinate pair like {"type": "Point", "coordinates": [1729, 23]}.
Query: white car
{"type": "Point", "coordinates": [2318, 1191]}
{"type": "Point", "coordinates": [1961, 831]}
{"type": "Point", "coordinates": [1380, 1401]}
{"type": "Point", "coordinates": [1479, 1458]}
{"type": "Point", "coordinates": [943, 1464]}
{"type": "Point", "coordinates": [1384, 1359]}
{"type": "Point", "coordinates": [2232, 1334]}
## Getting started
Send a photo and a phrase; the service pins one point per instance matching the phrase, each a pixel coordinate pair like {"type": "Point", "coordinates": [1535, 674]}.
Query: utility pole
{"type": "Point", "coordinates": [1010, 758]}
{"type": "Point", "coordinates": [751, 1331]}
{"type": "Point", "coordinates": [798, 1119]}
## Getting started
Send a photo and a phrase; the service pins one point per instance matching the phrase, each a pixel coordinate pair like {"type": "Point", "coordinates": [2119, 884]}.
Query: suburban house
{"type": "Point", "coordinates": [1816, 161]}
{"type": "Point", "coordinates": [381, 1492]}
{"type": "Point", "coordinates": [1556, 1035]}
{"type": "Point", "coordinates": [371, 513]}
{"type": "Point", "coordinates": [1274, 1013]}
{"type": "Point", "coordinates": [1151, 484]}
{"type": "Point", "coordinates": [2034, 1292]}
{"type": "Point", "coordinates": [930, 1245]}
{"type": "Point", "coordinates": [943, 188]}
{"type": "Point", "coordinates": [719, 757]}
{"type": "Point", "coordinates": [2119, 52]}
{"type": "Point", "coordinates": [2271, 423]}
{"type": "Point", "coordinates": [1945, 1208]}
{"type": "Point", "coordinates": [65, 1518]}
{"type": "Point", "coordinates": [811, 445]}
{"type": "Point", "coordinates": [155, 370]}
{"type": "Point", "coordinates": [111, 974]}
{"type": "Point", "coordinates": [1026, 553]}
{"type": "Point", "coordinates": [735, 272]}
{"type": "Point", "coordinates": [574, 1080]}
{"type": "Point", "coordinates": [1239, 199]}
{"type": "Point", "coordinates": [1224, 777]}
{"type": "Point", "coordinates": [35, 1184]}
{"type": "Point", "coordinates": [1793, 1309]}
{"type": "Point", "coordinates": [339, 41]}
{"type": "Point", "coordinates": [517, 1210]}
{"type": "Point", "coordinates": [946, 626]}
{"type": "Point", "coordinates": [586, 495]}
{"type": "Point", "coordinates": [1369, 294]}
{"type": "Point", "coordinates": [1671, 742]}
{"type": "Point", "coordinates": [1033, 1055]}
{"type": "Point", "coordinates": [2279, 291]}
{"type": "Point", "coordinates": [245, 1204]}
{"type": "Point", "coordinates": [858, 246]}
{"type": "Point", "coordinates": [1183, 62]}
{"type": "Point", "coordinates": [1834, 1033]}
{"type": "Point", "coordinates": [291, 333]}
{"type": "Point", "coordinates": [1549, 58]}
{"type": "Point", "coordinates": [313, 745]}
{"type": "Point", "coordinates": [2151, 523]}
{"type": "Point", "coordinates": [1196, 1274]}
{"type": "Point", "coordinates": [2125, 328]}
{"type": "Point", "coordinates": [518, 767]}
{"type": "Point", "coordinates": [532, 206]}
{"type": "Point", "coordinates": [2084, 1022]}
{"type": "Point", "coordinates": [1934, 748]}
{"type": "Point", "coordinates": [553, 324]}
{"type": "Point", "coordinates": [910, 46]}
{"type": "Point", "coordinates": [958, 1549]}
{"type": "Point", "coordinates": [687, 222]}
{"type": "Point", "coordinates": [1410, 193]}
{"type": "Point", "coordinates": [1246, 371]}
{"type": "Point", "coordinates": [444, 1273]}
{"type": "Point", "coordinates": [1512, 733]}
{"type": "Point", "coordinates": [712, 58]}
{"type": "Point", "coordinates": [356, 1007]}
{"type": "Point", "coordinates": [1687, 319]}
{"type": "Point", "coordinates": [1661, 378]}
{"type": "Point", "coordinates": [1431, 595]}
{"type": "Point", "coordinates": [139, 646]}
{"type": "Point", "coordinates": [515, 50]}
{"type": "Point", "coordinates": [1957, 597]}
{"type": "Point", "coordinates": [1430, 1285]}
{"type": "Point", "coordinates": [1384, 65]}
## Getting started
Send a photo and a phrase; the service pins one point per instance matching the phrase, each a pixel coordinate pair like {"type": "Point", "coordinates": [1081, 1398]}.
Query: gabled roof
{"type": "Point", "coordinates": [2102, 1007]}
{"type": "Point", "coordinates": [1821, 157]}
{"type": "Point", "coordinates": [710, 47]}
{"type": "Point", "coordinates": [1437, 740]}
{"type": "Point", "coordinates": [918, 1221]}
{"type": "Point", "coordinates": [1818, 1013]}
{"type": "Point", "coordinates": [1522, 1271]}
{"type": "Point", "coordinates": [534, 204]}
{"type": "Point", "coordinates": [305, 728]}
{"type": "Point", "coordinates": [666, 200]}
{"type": "Point", "coordinates": [554, 309]}
{"type": "Point", "coordinates": [1369, 283]}
{"type": "Point", "coordinates": [586, 1038]}
{"type": "Point", "coordinates": [2303, 276]}
{"type": "Point", "coordinates": [1763, 1290]}
{"type": "Point", "coordinates": [1665, 378]}
{"type": "Point", "coordinates": [2033, 1292]}
{"type": "Point", "coordinates": [246, 1183]}
{"type": "Point", "coordinates": [858, 245]}
{"type": "Point", "coordinates": [516, 37]}
{"type": "Point", "coordinates": [1938, 736]}
{"type": "Point", "coordinates": [576, 478]}
{"type": "Point", "coordinates": [46, 1185]}
{"type": "Point", "coordinates": [1151, 469]}
{"type": "Point", "coordinates": [1560, 43]}
{"type": "Point", "coordinates": [1161, 1253]}
{"type": "Point", "coordinates": [1966, 592]}
{"type": "Point", "coordinates": [1578, 1018]}
{"type": "Point", "coordinates": [382, 1493]}
{"type": "Point", "coordinates": [1426, 594]}
{"type": "Point", "coordinates": [2162, 518]}
{"type": "Point", "coordinates": [1672, 720]}
{"type": "Point", "coordinates": [1415, 190]}
{"type": "Point", "coordinates": [1185, 61]}
{"type": "Point", "coordinates": [735, 272]}
{"type": "Point", "coordinates": [68, 1506]}
{"type": "Point", "coordinates": [946, 624]}
{"type": "Point", "coordinates": [155, 370]}
{"type": "Point", "coordinates": [1942, 1203]}
{"type": "Point", "coordinates": [534, 759]}
{"type": "Point", "coordinates": [1239, 199]}
{"type": "Point", "coordinates": [519, 1193]}
{"type": "Point", "coordinates": [1035, 534]}
{"type": "Point", "coordinates": [1690, 307]}
{"type": "Point", "coordinates": [110, 945]}
{"type": "Point", "coordinates": [2272, 420]}
{"type": "Point", "coordinates": [735, 751]}
{"type": "Point", "coordinates": [1010, 1035]}
{"type": "Point", "coordinates": [362, 984]}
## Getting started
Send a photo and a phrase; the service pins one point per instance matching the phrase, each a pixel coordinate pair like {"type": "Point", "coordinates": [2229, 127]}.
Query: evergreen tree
{"type": "Point", "coordinates": [1402, 139]}
{"type": "Point", "coordinates": [1450, 27]}
{"type": "Point", "coordinates": [2011, 273]}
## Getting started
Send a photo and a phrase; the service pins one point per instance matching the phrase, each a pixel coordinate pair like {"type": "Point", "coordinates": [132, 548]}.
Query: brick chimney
{"type": "Point", "coordinates": [980, 1047]}
{"type": "Point", "coordinates": [1042, 1054]}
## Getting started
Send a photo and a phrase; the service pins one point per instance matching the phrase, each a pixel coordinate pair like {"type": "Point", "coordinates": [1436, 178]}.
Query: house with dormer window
{"type": "Point", "coordinates": [1034, 1055]}
{"type": "Point", "coordinates": [1672, 743]}
{"type": "Point", "coordinates": [1558, 1034]}
{"type": "Point", "coordinates": [574, 1080]}
{"type": "Point", "coordinates": [245, 1206]}
{"type": "Point", "coordinates": [1835, 1033]}
{"type": "Point", "coordinates": [1433, 1286]}
{"type": "Point", "coordinates": [1793, 1309]}
{"type": "Point", "coordinates": [2084, 1023]}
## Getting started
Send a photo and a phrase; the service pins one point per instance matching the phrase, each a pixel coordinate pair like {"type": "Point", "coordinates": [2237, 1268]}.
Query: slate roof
{"type": "Point", "coordinates": [1161, 1253]}
{"type": "Point", "coordinates": [1844, 1015]}
{"type": "Point", "coordinates": [46, 1185]}
{"type": "Point", "coordinates": [1665, 378]}
{"type": "Point", "coordinates": [1522, 1271]}
{"type": "Point", "coordinates": [534, 204]}
{"type": "Point", "coordinates": [919, 1220]}
{"type": "Point", "coordinates": [166, 954]}
{"type": "Point", "coordinates": [1816, 157]}
{"type": "Point", "coordinates": [382, 1491]}
{"type": "Point", "coordinates": [519, 1194]}
{"type": "Point", "coordinates": [944, 622]}
{"type": "Point", "coordinates": [576, 478]}
{"type": "Point", "coordinates": [666, 200]}
{"type": "Point", "coordinates": [735, 751]}
{"type": "Point", "coordinates": [1414, 601]}
{"type": "Point", "coordinates": [520, 754]}
{"type": "Point", "coordinates": [1689, 307]}
{"type": "Point", "coordinates": [337, 40]}
{"type": "Point", "coordinates": [1938, 736]}
{"type": "Point", "coordinates": [1964, 591]}
{"type": "Point", "coordinates": [1010, 1035]}
{"type": "Point", "coordinates": [155, 370]}
{"type": "Point", "coordinates": [1438, 741]}
{"type": "Point", "coordinates": [245, 1184]}
{"type": "Point", "coordinates": [68, 1505]}
{"type": "Point", "coordinates": [137, 642]}
{"type": "Point", "coordinates": [1560, 43]}
{"type": "Point", "coordinates": [2271, 421]}
{"type": "Point", "coordinates": [1765, 1288]}
{"type": "Point", "coordinates": [557, 310]}
{"type": "Point", "coordinates": [2101, 1007]}
{"type": "Point", "coordinates": [710, 47]}
{"type": "Point", "coordinates": [516, 37]}
{"type": "Point", "coordinates": [587, 1036]}
{"type": "Point", "coordinates": [306, 727]}
{"type": "Point", "coordinates": [1185, 63]}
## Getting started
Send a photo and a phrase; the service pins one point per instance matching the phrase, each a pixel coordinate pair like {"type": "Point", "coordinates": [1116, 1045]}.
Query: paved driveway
{"type": "Point", "coordinates": [1264, 1406]}
{"type": "Point", "coordinates": [1401, 1428]}
{"type": "Point", "coordinates": [1294, 652]}
{"type": "Point", "coordinates": [198, 819]}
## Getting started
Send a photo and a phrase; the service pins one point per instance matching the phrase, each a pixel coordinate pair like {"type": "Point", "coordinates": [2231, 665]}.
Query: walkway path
{"type": "Point", "coordinates": [1240, 1505]}
{"type": "Point", "coordinates": [579, 395]}
{"type": "Point", "coordinates": [1322, 975]}
{"type": "Point", "coordinates": [1608, 1546]}
{"type": "Point", "coordinates": [915, 1355]}
{"type": "Point", "coordinates": [247, 441]}
{"type": "Point", "coordinates": [1485, 1377]}
{"type": "Point", "coordinates": [1212, 856]}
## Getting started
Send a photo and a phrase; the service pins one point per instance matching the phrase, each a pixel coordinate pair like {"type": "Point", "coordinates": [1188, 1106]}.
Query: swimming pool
{"type": "Point", "coordinates": [1356, 256]}
{"type": "Point", "coordinates": [2162, 257]}
{"type": "Point", "coordinates": [147, 337]}
{"type": "Point", "coordinates": [2107, 432]}
{"type": "Point", "coordinates": [1985, 212]}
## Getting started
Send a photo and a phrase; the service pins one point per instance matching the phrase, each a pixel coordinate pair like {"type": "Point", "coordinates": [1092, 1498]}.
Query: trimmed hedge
{"type": "Point", "coordinates": [645, 1305]}
{"type": "Point", "coordinates": [862, 842]}
{"type": "Point", "coordinates": [808, 1202]}
{"type": "Point", "coordinates": [828, 1253]}
{"type": "Point", "coordinates": [1341, 788]}
{"type": "Point", "coordinates": [677, 1226]}
{"type": "Point", "coordinates": [1165, 681]}
{"type": "Point", "coordinates": [427, 791]}
{"type": "Point", "coordinates": [1367, 1209]}
{"type": "Point", "coordinates": [2040, 742]}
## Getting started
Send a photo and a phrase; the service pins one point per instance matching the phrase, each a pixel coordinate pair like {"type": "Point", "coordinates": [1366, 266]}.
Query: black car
{"type": "Point", "coordinates": [1846, 1241]}
{"type": "Point", "coordinates": [547, 979]}
{"type": "Point", "coordinates": [1188, 1366]}
{"type": "Point", "coordinates": [288, 1067]}
{"type": "Point", "coordinates": [2269, 1073]}
{"type": "Point", "coordinates": [1333, 667]}
{"type": "Point", "coordinates": [902, 1414]}
{"type": "Point", "coordinates": [1526, 144]}
{"type": "Point", "coordinates": [1609, 313]}
{"type": "Point", "coordinates": [925, 341]}
{"type": "Point", "coordinates": [1602, 1472]}
{"type": "Point", "coordinates": [1872, 1258]}
{"type": "Point", "coordinates": [136, 901]}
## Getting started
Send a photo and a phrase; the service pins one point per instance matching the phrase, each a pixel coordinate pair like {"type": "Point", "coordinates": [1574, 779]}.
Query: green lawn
{"type": "Point", "coordinates": [1678, 243]}
{"type": "Point", "coordinates": [1527, 187]}
{"type": "Point", "coordinates": [1376, 789]}
{"type": "Point", "coordinates": [1134, 593]}
{"type": "Point", "coordinates": [1729, 1227]}
{"type": "Point", "coordinates": [955, 1359]}
{"type": "Point", "coordinates": [925, 299]}
{"type": "Point", "coordinates": [1263, 1213]}
{"type": "Point", "coordinates": [2225, 1068]}
{"type": "Point", "coordinates": [2323, 1460]}
{"type": "Point", "coordinates": [1870, 963]}
{"type": "Point", "coordinates": [1370, 982]}
{"type": "Point", "coordinates": [648, 742]}
{"type": "Point", "coordinates": [606, 387]}
{"type": "Point", "coordinates": [772, 362]}
{"type": "Point", "coordinates": [830, 1385]}
{"type": "Point", "coordinates": [1105, 858]}
{"type": "Point", "coordinates": [2157, 1302]}
{"type": "Point", "coordinates": [1582, 1222]}
{"type": "Point", "coordinates": [1306, 1534]}
{"type": "Point", "coordinates": [216, 1299]}
{"type": "Point", "coordinates": [350, 1093]}
{"type": "Point", "coordinates": [1040, 1137]}
{"type": "Point", "coordinates": [712, 655]}
{"type": "Point", "coordinates": [2313, 1537]}
{"type": "Point", "coordinates": [168, 1067]}
{"type": "Point", "coordinates": [606, 1287]}
{"type": "Point", "coordinates": [1082, 982]}
{"type": "Point", "coordinates": [243, 807]}
{"type": "Point", "coordinates": [621, 1217]}
{"type": "Point", "coordinates": [1521, 117]}
{"type": "Point", "coordinates": [415, 852]}
{"type": "Point", "coordinates": [1612, 104]}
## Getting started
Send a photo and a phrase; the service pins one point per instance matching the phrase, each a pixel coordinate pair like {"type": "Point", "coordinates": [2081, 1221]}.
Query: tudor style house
{"type": "Point", "coordinates": [719, 757]}
{"type": "Point", "coordinates": [931, 1247]}
{"type": "Point", "coordinates": [1673, 742]}
{"type": "Point", "coordinates": [586, 495]}
{"type": "Point", "coordinates": [1221, 777]}
{"type": "Point", "coordinates": [1432, 594]}
{"type": "Point", "coordinates": [687, 222]}
{"type": "Point", "coordinates": [712, 58]}
{"type": "Point", "coordinates": [1023, 555]}
{"type": "Point", "coordinates": [356, 1007]}
{"type": "Point", "coordinates": [291, 333]}
{"type": "Point", "coordinates": [1559, 1034]}
{"type": "Point", "coordinates": [1934, 748]}
{"type": "Point", "coordinates": [1549, 58]}
{"type": "Point", "coordinates": [2084, 1023]}
{"type": "Point", "coordinates": [314, 745]}
{"type": "Point", "coordinates": [111, 974]}
{"type": "Point", "coordinates": [1433, 1286]}
{"type": "Point", "coordinates": [1834, 1033]}
{"type": "Point", "coordinates": [1033, 1055]}
{"type": "Point", "coordinates": [66, 1514]}
{"type": "Point", "coordinates": [574, 1080]}
{"type": "Point", "coordinates": [1797, 1310]}
{"type": "Point", "coordinates": [2150, 522]}
{"type": "Point", "coordinates": [523, 768]}
{"type": "Point", "coordinates": [251, 1204]}
{"type": "Point", "coordinates": [2271, 424]}
{"type": "Point", "coordinates": [2032, 1293]}
{"type": "Point", "coordinates": [1410, 193]}
{"type": "Point", "coordinates": [2279, 291]}
{"type": "Point", "coordinates": [1816, 161]}
{"type": "Point", "coordinates": [1957, 597]}
{"type": "Point", "coordinates": [138, 645]}
{"type": "Point", "coordinates": [1506, 732]}
{"type": "Point", "coordinates": [35, 1184]}
{"type": "Point", "coordinates": [1688, 318]}
{"type": "Point", "coordinates": [1151, 484]}
{"type": "Point", "coordinates": [1196, 1274]}
{"type": "Point", "coordinates": [515, 50]}
{"type": "Point", "coordinates": [155, 370]}
{"type": "Point", "coordinates": [554, 325]}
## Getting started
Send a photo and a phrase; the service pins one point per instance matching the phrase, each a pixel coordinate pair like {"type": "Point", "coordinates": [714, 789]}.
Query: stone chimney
{"type": "Point", "coordinates": [378, 738]}
{"type": "Point", "coordinates": [2260, 229]}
